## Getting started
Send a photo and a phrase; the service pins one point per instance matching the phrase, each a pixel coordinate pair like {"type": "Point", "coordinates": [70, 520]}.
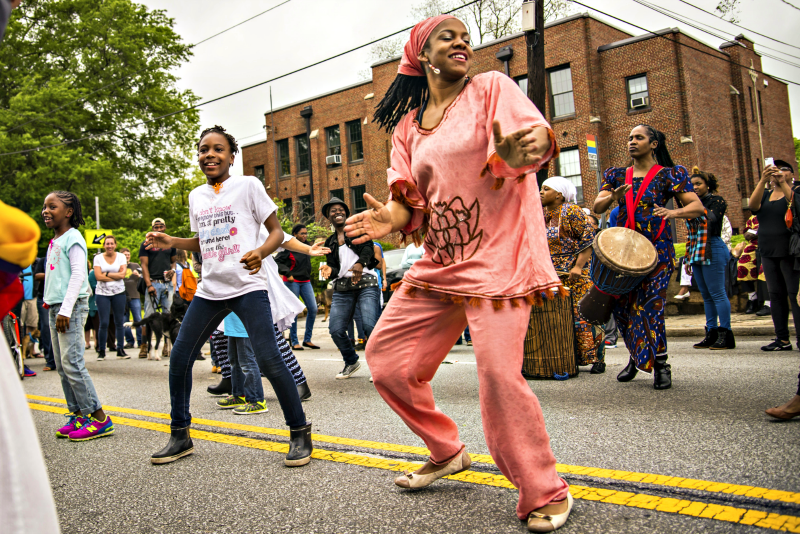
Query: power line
{"type": "Point", "coordinates": [195, 106]}
{"type": "Point", "coordinates": [739, 26]}
{"type": "Point", "coordinates": [83, 98]}
{"type": "Point", "coordinates": [694, 24]}
{"type": "Point", "coordinates": [681, 44]}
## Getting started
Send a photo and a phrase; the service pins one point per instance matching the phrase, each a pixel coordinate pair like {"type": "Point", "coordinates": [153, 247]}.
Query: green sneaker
{"type": "Point", "coordinates": [231, 402]}
{"type": "Point", "coordinates": [251, 408]}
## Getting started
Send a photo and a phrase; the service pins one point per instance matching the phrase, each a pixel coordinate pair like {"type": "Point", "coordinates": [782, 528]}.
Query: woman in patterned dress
{"type": "Point", "coordinates": [640, 313]}
{"type": "Point", "coordinates": [570, 235]}
{"type": "Point", "coordinates": [749, 272]}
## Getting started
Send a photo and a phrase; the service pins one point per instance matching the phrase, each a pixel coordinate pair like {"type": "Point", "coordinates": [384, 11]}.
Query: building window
{"type": "Point", "coordinates": [359, 204]}
{"type": "Point", "coordinates": [562, 102]}
{"type": "Point", "coordinates": [284, 167]}
{"type": "Point", "coordinates": [752, 105]}
{"type": "Point", "coordinates": [334, 141]}
{"type": "Point", "coordinates": [259, 172]}
{"type": "Point", "coordinates": [303, 160]}
{"type": "Point", "coordinates": [356, 151]}
{"type": "Point", "coordinates": [338, 193]}
{"type": "Point", "coordinates": [569, 166]}
{"type": "Point", "coordinates": [522, 82]}
{"type": "Point", "coordinates": [306, 209]}
{"type": "Point", "coordinates": [638, 95]}
{"type": "Point", "coordinates": [287, 208]}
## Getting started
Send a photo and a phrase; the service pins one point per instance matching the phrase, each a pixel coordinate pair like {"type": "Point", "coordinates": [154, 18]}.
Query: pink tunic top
{"type": "Point", "coordinates": [480, 240]}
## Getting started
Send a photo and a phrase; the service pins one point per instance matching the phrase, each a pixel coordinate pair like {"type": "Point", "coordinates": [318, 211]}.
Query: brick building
{"type": "Point", "coordinates": [601, 82]}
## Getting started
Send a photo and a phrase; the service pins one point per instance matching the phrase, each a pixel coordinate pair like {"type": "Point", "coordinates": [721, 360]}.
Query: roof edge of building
{"type": "Point", "coordinates": [317, 97]}
{"type": "Point", "coordinates": [252, 143]}
{"type": "Point", "coordinates": [636, 39]}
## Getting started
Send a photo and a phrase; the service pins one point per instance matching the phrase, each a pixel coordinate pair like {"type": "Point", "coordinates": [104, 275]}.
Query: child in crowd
{"type": "Point", "coordinates": [67, 298]}
{"type": "Point", "coordinates": [227, 213]}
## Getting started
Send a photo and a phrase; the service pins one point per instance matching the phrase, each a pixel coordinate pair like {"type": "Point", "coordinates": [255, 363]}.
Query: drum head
{"type": "Point", "coordinates": [625, 251]}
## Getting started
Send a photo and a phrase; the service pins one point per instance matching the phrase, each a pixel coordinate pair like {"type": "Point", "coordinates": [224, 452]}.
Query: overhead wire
{"type": "Point", "coordinates": [739, 25]}
{"type": "Point", "coordinates": [128, 76]}
{"type": "Point", "coordinates": [228, 95]}
{"type": "Point", "coordinates": [660, 35]}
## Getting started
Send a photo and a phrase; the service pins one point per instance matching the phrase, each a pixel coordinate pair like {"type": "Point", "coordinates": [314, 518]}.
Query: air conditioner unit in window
{"type": "Point", "coordinates": [640, 102]}
{"type": "Point", "coordinates": [336, 159]}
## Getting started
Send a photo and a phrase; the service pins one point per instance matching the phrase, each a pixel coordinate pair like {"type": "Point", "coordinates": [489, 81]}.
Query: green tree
{"type": "Point", "coordinates": [797, 149]}
{"type": "Point", "coordinates": [76, 68]}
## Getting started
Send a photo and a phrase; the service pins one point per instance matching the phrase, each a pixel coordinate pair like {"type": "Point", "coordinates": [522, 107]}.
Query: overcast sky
{"type": "Point", "coordinates": [302, 32]}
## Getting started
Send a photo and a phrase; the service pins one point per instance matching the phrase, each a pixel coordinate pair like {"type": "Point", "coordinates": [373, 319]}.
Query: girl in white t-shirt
{"type": "Point", "coordinates": [109, 295]}
{"type": "Point", "coordinates": [227, 212]}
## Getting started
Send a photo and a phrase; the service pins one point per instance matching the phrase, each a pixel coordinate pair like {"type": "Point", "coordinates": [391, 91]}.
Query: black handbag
{"type": "Point", "coordinates": [141, 287]}
{"type": "Point", "coordinates": [346, 284]}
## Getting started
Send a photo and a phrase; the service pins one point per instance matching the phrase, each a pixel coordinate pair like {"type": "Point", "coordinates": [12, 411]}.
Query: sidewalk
{"type": "Point", "coordinates": [741, 324]}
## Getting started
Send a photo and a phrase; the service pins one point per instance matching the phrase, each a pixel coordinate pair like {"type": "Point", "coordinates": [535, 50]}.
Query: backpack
{"type": "Point", "coordinates": [188, 284]}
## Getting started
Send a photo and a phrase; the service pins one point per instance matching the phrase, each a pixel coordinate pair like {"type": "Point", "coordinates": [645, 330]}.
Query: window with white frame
{"type": "Point", "coordinates": [561, 98]}
{"type": "Point", "coordinates": [569, 166]}
{"type": "Point", "coordinates": [638, 93]}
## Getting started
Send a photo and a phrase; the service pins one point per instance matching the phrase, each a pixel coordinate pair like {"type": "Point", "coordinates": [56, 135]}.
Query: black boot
{"type": "Point", "coordinates": [598, 368]}
{"type": "Point", "coordinates": [751, 307]}
{"type": "Point", "coordinates": [180, 445]}
{"type": "Point", "coordinates": [122, 354]}
{"type": "Point", "coordinates": [101, 355]}
{"type": "Point", "coordinates": [725, 340]}
{"type": "Point", "coordinates": [304, 391]}
{"type": "Point", "coordinates": [300, 446]}
{"type": "Point", "coordinates": [627, 374]}
{"type": "Point", "coordinates": [662, 375]}
{"type": "Point", "coordinates": [710, 339]}
{"type": "Point", "coordinates": [221, 389]}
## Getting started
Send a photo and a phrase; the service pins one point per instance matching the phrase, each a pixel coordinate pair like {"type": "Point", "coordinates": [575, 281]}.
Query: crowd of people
{"type": "Point", "coordinates": [463, 188]}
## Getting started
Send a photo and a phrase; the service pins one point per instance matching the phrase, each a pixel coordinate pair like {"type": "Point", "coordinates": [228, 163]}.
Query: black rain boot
{"type": "Point", "coordinates": [627, 374]}
{"type": "Point", "coordinates": [598, 368]}
{"type": "Point", "coordinates": [300, 446]}
{"type": "Point", "coordinates": [180, 445]}
{"type": "Point", "coordinates": [221, 389]}
{"type": "Point", "coordinates": [711, 337]}
{"type": "Point", "coordinates": [304, 391]}
{"type": "Point", "coordinates": [662, 374]}
{"type": "Point", "coordinates": [725, 340]}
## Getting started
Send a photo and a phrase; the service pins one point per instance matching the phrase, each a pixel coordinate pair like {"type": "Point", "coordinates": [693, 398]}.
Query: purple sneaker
{"type": "Point", "coordinates": [74, 423]}
{"type": "Point", "coordinates": [92, 428]}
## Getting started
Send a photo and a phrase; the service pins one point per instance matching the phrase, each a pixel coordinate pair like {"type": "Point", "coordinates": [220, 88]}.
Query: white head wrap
{"type": "Point", "coordinates": [563, 186]}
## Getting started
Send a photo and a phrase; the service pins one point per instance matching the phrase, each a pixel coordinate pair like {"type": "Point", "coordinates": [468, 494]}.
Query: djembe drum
{"type": "Point", "coordinates": [621, 260]}
{"type": "Point", "coordinates": [550, 341]}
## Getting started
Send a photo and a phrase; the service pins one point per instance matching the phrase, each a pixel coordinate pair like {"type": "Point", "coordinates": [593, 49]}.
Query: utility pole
{"type": "Point", "coordinates": [533, 24]}
{"type": "Point", "coordinates": [97, 211]}
{"type": "Point", "coordinates": [757, 105]}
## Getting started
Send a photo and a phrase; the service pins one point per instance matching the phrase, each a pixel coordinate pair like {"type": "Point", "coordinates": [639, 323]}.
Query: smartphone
{"type": "Point", "coordinates": [769, 161]}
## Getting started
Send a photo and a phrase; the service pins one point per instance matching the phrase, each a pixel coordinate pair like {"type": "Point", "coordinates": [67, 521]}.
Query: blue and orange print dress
{"type": "Point", "coordinates": [640, 313]}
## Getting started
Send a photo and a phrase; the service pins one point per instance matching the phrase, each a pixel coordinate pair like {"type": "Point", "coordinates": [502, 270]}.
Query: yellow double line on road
{"type": "Point", "coordinates": [638, 500]}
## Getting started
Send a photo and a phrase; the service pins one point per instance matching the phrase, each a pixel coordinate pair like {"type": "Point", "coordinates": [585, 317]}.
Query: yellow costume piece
{"type": "Point", "coordinates": [19, 238]}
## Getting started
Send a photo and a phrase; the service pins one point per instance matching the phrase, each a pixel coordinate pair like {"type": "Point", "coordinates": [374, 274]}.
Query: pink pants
{"type": "Point", "coordinates": [411, 339]}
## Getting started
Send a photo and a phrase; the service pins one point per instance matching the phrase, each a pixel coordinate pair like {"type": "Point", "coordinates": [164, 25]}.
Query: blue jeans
{"type": "Point", "coordinates": [245, 376]}
{"type": "Point", "coordinates": [44, 336]}
{"type": "Point", "coordinates": [163, 296]}
{"type": "Point", "coordinates": [104, 306]}
{"type": "Point", "coordinates": [342, 311]}
{"type": "Point", "coordinates": [68, 350]}
{"type": "Point", "coordinates": [306, 292]}
{"type": "Point", "coordinates": [711, 282]}
{"type": "Point", "coordinates": [135, 305]}
{"type": "Point", "coordinates": [202, 318]}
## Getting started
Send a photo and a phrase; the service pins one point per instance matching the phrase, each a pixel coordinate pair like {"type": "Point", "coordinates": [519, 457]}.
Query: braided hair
{"type": "Point", "coordinates": [405, 93]}
{"type": "Point", "coordinates": [220, 130]}
{"type": "Point", "coordinates": [660, 152]}
{"type": "Point", "coordinates": [707, 177]}
{"type": "Point", "coordinates": [70, 200]}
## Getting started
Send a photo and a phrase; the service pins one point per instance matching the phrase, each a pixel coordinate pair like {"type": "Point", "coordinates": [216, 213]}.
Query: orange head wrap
{"type": "Point", "coordinates": [409, 64]}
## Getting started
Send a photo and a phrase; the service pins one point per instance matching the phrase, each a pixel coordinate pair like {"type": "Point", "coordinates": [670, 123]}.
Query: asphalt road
{"type": "Point", "coordinates": [710, 426]}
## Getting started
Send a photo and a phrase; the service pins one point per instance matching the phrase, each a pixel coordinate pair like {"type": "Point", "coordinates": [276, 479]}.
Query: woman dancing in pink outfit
{"type": "Point", "coordinates": [486, 260]}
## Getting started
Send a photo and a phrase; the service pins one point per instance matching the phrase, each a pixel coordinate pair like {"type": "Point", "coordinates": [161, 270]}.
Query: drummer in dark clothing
{"type": "Point", "coordinates": [296, 271]}
{"type": "Point", "coordinates": [648, 184]}
{"type": "Point", "coordinates": [783, 280]}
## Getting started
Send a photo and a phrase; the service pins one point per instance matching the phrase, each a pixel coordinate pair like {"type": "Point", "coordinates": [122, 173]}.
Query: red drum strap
{"type": "Point", "coordinates": [631, 223]}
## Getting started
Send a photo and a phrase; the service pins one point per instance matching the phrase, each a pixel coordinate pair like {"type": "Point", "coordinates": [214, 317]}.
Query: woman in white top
{"type": "Point", "coordinates": [109, 269]}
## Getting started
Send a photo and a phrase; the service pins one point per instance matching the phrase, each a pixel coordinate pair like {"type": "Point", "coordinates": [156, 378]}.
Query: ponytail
{"type": "Point", "coordinates": [660, 152]}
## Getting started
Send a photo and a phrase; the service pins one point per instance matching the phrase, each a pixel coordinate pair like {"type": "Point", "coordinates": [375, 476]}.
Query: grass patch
{"type": "Point", "coordinates": [680, 248]}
